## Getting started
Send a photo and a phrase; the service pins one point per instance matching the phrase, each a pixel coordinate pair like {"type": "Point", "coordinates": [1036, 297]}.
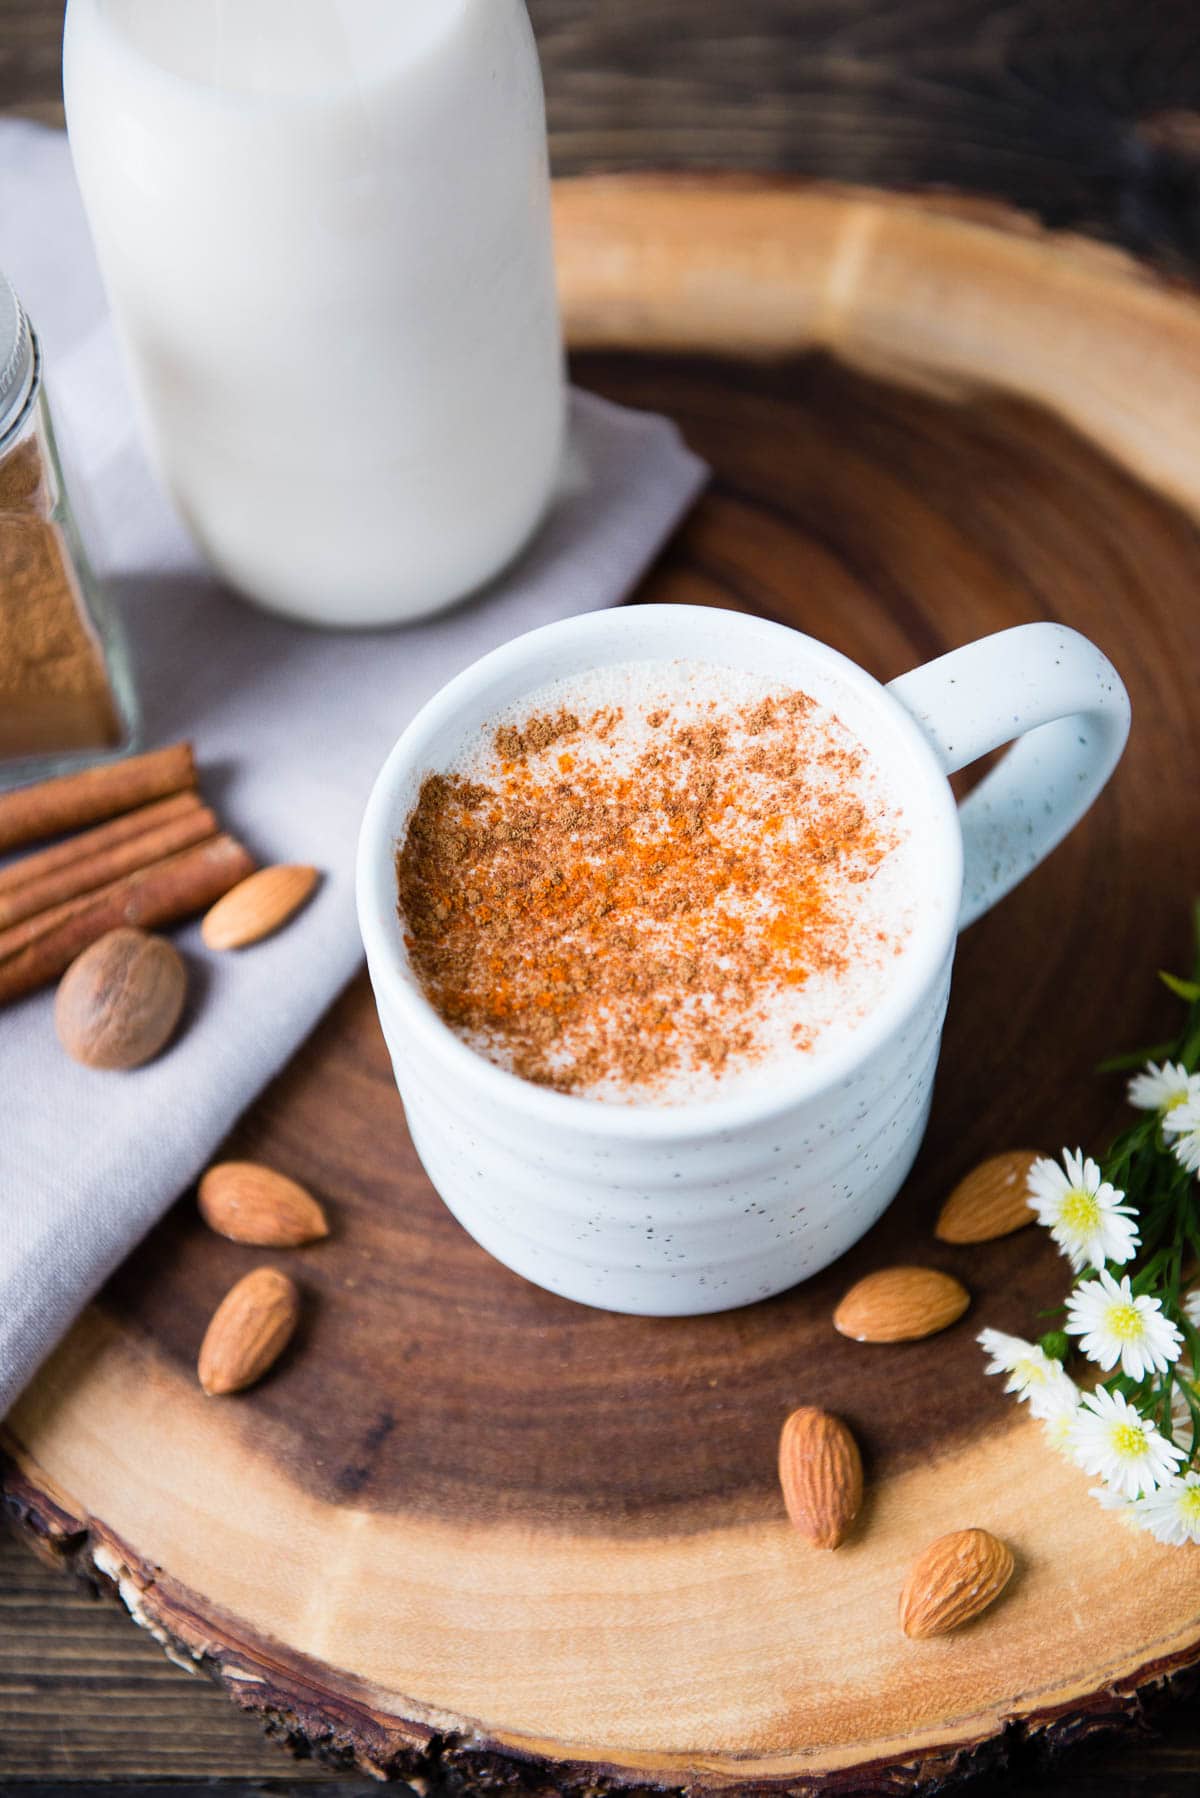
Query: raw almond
{"type": "Point", "coordinates": [958, 1576]}
{"type": "Point", "coordinates": [257, 905]}
{"type": "Point", "coordinates": [900, 1304]}
{"type": "Point", "coordinates": [820, 1471]}
{"type": "Point", "coordinates": [253, 1204]}
{"type": "Point", "coordinates": [249, 1331]}
{"type": "Point", "coordinates": [992, 1200]}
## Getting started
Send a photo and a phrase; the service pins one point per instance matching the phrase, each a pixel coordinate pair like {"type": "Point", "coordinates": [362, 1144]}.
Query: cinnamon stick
{"type": "Point", "coordinates": [89, 871]}
{"type": "Point", "coordinates": [163, 893]}
{"type": "Point", "coordinates": [41, 862]}
{"type": "Point", "coordinates": [52, 806]}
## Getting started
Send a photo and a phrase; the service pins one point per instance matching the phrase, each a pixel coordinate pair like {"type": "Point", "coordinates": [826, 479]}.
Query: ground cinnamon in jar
{"type": "Point", "coordinates": [54, 694]}
{"type": "Point", "coordinates": [634, 898]}
{"type": "Point", "coordinates": [54, 689]}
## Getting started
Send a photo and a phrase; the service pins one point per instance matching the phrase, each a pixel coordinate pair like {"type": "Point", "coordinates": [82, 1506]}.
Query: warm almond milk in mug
{"type": "Point", "coordinates": [660, 907]}
{"type": "Point", "coordinates": [324, 230]}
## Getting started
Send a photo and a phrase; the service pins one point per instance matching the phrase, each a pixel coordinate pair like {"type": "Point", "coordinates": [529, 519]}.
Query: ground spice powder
{"type": "Point", "coordinates": [600, 923]}
{"type": "Point", "coordinates": [54, 690]}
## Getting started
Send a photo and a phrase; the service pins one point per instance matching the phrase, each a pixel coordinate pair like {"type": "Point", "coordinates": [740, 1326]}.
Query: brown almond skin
{"type": "Point", "coordinates": [991, 1201]}
{"type": "Point", "coordinates": [248, 1332]}
{"type": "Point", "coordinates": [821, 1476]}
{"type": "Point", "coordinates": [118, 1003]}
{"type": "Point", "coordinates": [253, 1204]}
{"type": "Point", "coordinates": [956, 1578]}
{"type": "Point", "coordinates": [901, 1304]}
{"type": "Point", "coordinates": [258, 906]}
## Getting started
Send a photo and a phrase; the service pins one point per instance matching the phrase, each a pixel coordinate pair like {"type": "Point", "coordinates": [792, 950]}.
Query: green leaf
{"type": "Point", "coordinates": [1183, 989]}
{"type": "Point", "coordinates": [1146, 1279]}
{"type": "Point", "coordinates": [1056, 1344]}
{"type": "Point", "coordinates": [1135, 1058]}
{"type": "Point", "coordinates": [1191, 1336]}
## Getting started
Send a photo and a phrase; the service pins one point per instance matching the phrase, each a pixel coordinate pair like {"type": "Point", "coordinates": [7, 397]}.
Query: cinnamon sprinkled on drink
{"type": "Point", "coordinates": [594, 921]}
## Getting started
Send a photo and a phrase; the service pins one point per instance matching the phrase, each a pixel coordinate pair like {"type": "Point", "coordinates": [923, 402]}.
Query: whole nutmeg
{"type": "Point", "coordinates": [119, 1002]}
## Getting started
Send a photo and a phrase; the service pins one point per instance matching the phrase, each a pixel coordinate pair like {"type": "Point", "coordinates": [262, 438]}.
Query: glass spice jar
{"type": "Point", "coordinates": [66, 697]}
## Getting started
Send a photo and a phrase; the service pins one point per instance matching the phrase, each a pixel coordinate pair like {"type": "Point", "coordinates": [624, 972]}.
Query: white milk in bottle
{"type": "Point", "coordinates": [324, 230]}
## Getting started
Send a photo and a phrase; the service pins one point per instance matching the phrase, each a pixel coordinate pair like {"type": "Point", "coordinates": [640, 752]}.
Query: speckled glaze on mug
{"type": "Point", "coordinates": [675, 1210]}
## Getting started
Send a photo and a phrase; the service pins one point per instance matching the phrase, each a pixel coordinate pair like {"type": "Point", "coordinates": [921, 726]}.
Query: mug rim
{"type": "Point", "coordinates": [463, 699]}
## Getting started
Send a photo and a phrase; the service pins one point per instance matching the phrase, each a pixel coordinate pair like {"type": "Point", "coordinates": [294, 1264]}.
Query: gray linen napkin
{"type": "Point", "coordinates": [290, 726]}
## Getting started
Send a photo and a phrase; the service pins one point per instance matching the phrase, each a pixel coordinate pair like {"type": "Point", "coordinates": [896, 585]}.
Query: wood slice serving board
{"type": "Point", "coordinates": [468, 1527]}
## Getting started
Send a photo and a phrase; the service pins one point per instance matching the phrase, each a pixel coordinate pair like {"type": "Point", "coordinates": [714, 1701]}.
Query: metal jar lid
{"type": "Point", "coordinates": [18, 357]}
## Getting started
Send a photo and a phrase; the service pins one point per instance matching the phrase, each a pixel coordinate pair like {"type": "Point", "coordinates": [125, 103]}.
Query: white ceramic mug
{"type": "Point", "coordinates": [675, 1210]}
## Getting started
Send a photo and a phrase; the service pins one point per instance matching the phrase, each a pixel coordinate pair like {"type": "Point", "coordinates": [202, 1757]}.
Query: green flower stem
{"type": "Point", "coordinates": [1142, 1164]}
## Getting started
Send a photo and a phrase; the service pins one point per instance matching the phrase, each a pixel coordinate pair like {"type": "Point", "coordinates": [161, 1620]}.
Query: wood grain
{"type": "Point", "coordinates": [82, 1695]}
{"type": "Point", "coordinates": [951, 296]}
{"type": "Point", "coordinates": [1059, 110]}
{"type": "Point", "coordinates": [91, 1708]}
{"type": "Point", "coordinates": [504, 1518]}
{"type": "Point", "coordinates": [1072, 112]}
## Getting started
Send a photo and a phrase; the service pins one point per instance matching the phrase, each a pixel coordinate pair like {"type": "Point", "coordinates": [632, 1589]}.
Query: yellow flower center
{"type": "Point", "coordinates": [1031, 1372]}
{"type": "Point", "coordinates": [1125, 1322]}
{"type": "Point", "coordinates": [1189, 1503]}
{"type": "Point", "coordinates": [1079, 1210]}
{"type": "Point", "coordinates": [1129, 1441]}
{"type": "Point", "coordinates": [1172, 1102]}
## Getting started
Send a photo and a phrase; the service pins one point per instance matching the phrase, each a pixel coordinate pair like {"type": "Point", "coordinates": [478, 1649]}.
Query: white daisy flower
{"type": "Point", "coordinates": [1032, 1374]}
{"type": "Point", "coordinates": [1108, 1437]}
{"type": "Point", "coordinates": [1108, 1500]}
{"type": "Point", "coordinates": [1172, 1514]}
{"type": "Point", "coordinates": [1183, 1123]}
{"type": "Point", "coordinates": [1082, 1211]}
{"type": "Point", "coordinates": [1162, 1088]}
{"type": "Point", "coordinates": [1061, 1404]}
{"type": "Point", "coordinates": [1114, 1326]}
{"type": "Point", "coordinates": [1181, 1416]}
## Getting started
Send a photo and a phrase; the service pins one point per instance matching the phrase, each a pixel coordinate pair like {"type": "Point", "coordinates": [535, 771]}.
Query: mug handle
{"type": "Point", "coordinates": [1054, 690]}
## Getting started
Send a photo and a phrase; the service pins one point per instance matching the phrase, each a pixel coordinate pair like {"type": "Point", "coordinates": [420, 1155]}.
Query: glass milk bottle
{"type": "Point", "coordinates": [324, 230]}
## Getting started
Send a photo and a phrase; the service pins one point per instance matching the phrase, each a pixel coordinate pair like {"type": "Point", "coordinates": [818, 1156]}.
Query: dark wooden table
{"type": "Point", "coordinates": [1084, 112]}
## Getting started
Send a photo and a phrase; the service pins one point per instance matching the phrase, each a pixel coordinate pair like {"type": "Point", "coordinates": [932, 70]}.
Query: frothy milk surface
{"type": "Point", "coordinates": [658, 883]}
